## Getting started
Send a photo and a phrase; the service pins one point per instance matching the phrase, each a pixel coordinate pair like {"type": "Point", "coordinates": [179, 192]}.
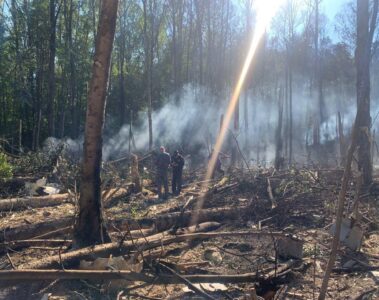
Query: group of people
{"type": "Point", "coordinates": [163, 163]}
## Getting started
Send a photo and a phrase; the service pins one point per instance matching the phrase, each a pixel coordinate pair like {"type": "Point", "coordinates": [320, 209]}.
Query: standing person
{"type": "Point", "coordinates": [177, 163]}
{"type": "Point", "coordinates": [218, 165]}
{"type": "Point", "coordinates": [162, 163]}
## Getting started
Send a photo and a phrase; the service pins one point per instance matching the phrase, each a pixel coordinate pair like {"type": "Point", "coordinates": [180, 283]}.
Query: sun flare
{"type": "Point", "coordinates": [265, 11]}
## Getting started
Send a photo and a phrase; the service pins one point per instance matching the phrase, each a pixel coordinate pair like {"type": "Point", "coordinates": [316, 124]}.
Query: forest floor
{"type": "Point", "coordinates": [271, 231]}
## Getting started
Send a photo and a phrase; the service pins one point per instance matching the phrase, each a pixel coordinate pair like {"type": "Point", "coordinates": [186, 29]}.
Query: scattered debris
{"type": "Point", "coordinates": [261, 234]}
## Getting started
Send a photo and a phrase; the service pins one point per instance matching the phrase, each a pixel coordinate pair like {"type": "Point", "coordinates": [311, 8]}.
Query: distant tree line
{"type": "Point", "coordinates": [47, 46]}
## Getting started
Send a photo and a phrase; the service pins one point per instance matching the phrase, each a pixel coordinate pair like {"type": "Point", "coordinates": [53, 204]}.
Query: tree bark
{"type": "Point", "coordinates": [51, 82]}
{"type": "Point", "coordinates": [148, 49]}
{"type": "Point", "coordinates": [278, 135]}
{"type": "Point", "coordinates": [89, 228]}
{"type": "Point", "coordinates": [342, 142]}
{"type": "Point", "coordinates": [362, 61]}
{"type": "Point", "coordinates": [340, 208]}
{"type": "Point", "coordinates": [30, 231]}
{"type": "Point", "coordinates": [32, 275]}
{"type": "Point", "coordinates": [118, 248]}
{"type": "Point", "coordinates": [25, 203]}
{"type": "Point", "coordinates": [159, 223]}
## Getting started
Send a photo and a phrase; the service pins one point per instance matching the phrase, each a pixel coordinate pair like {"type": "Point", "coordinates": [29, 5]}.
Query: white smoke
{"type": "Point", "coordinates": [190, 121]}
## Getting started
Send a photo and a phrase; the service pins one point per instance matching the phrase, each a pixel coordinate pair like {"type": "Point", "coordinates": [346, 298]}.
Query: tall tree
{"type": "Point", "coordinates": [51, 81]}
{"type": "Point", "coordinates": [318, 78]}
{"type": "Point", "coordinates": [89, 227]}
{"type": "Point", "coordinates": [148, 33]}
{"type": "Point", "coordinates": [365, 34]}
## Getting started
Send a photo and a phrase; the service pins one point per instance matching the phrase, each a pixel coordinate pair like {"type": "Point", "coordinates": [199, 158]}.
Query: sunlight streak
{"type": "Point", "coordinates": [265, 11]}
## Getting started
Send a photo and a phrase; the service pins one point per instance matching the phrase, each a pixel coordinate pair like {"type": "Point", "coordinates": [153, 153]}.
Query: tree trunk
{"type": "Point", "coordinates": [145, 243]}
{"type": "Point", "coordinates": [121, 62]}
{"type": "Point", "coordinates": [199, 24]}
{"type": "Point", "coordinates": [89, 227]}
{"type": "Point", "coordinates": [148, 40]}
{"type": "Point", "coordinates": [13, 204]}
{"type": "Point", "coordinates": [340, 206]}
{"type": "Point", "coordinates": [362, 61]}
{"type": "Point", "coordinates": [317, 115]}
{"type": "Point", "coordinates": [51, 82]}
{"type": "Point", "coordinates": [290, 134]}
{"type": "Point", "coordinates": [74, 131]}
{"type": "Point", "coordinates": [278, 135]}
{"type": "Point", "coordinates": [342, 142]}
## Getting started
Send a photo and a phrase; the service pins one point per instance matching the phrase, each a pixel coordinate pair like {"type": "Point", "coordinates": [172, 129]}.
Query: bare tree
{"type": "Point", "coordinates": [89, 227]}
{"type": "Point", "coordinates": [360, 133]}
{"type": "Point", "coordinates": [148, 32]}
{"type": "Point", "coordinates": [365, 34]}
{"type": "Point", "coordinates": [51, 83]}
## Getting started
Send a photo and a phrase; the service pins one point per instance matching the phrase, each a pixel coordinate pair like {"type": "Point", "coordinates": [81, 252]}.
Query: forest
{"type": "Point", "coordinates": [189, 149]}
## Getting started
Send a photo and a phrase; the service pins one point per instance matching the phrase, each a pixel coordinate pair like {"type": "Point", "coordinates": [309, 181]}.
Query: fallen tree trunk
{"type": "Point", "coordinates": [142, 244]}
{"type": "Point", "coordinates": [115, 248]}
{"type": "Point", "coordinates": [33, 275]}
{"type": "Point", "coordinates": [160, 223]}
{"type": "Point", "coordinates": [54, 233]}
{"type": "Point", "coordinates": [13, 204]}
{"type": "Point", "coordinates": [165, 221]}
{"type": "Point", "coordinates": [28, 231]}
{"type": "Point", "coordinates": [14, 245]}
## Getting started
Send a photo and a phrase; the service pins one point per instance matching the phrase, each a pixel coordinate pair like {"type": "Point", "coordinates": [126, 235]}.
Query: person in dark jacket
{"type": "Point", "coordinates": [162, 163]}
{"type": "Point", "coordinates": [177, 163]}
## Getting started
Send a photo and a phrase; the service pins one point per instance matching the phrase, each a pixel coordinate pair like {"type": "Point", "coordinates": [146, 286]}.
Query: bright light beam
{"type": "Point", "coordinates": [265, 11]}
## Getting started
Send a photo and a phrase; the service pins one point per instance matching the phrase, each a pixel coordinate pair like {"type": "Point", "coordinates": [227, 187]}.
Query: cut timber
{"type": "Point", "coordinates": [188, 283]}
{"type": "Point", "coordinates": [165, 221]}
{"type": "Point", "coordinates": [116, 248]}
{"type": "Point", "coordinates": [54, 233]}
{"type": "Point", "coordinates": [112, 196]}
{"type": "Point", "coordinates": [42, 201]}
{"type": "Point", "coordinates": [33, 243]}
{"type": "Point", "coordinates": [34, 275]}
{"type": "Point", "coordinates": [33, 230]}
{"type": "Point", "coordinates": [161, 222]}
{"type": "Point", "coordinates": [141, 244]}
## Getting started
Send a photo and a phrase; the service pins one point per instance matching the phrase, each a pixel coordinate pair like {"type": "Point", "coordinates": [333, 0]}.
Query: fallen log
{"type": "Point", "coordinates": [165, 221]}
{"type": "Point", "coordinates": [116, 248]}
{"type": "Point", "coordinates": [160, 223]}
{"type": "Point", "coordinates": [355, 269]}
{"type": "Point", "coordinates": [188, 283]}
{"type": "Point", "coordinates": [142, 244]}
{"type": "Point", "coordinates": [14, 245]}
{"type": "Point", "coordinates": [54, 233]}
{"type": "Point", "coordinates": [28, 231]}
{"type": "Point", "coordinates": [35, 275]}
{"type": "Point", "coordinates": [13, 204]}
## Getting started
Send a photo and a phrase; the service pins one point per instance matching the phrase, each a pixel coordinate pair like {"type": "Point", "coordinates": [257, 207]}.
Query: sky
{"type": "Point", "coordinates": [332, 7]}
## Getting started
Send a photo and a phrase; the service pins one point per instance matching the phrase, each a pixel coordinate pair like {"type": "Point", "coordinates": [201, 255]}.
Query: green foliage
{"type": "Point", "coordinates": [5, 167]}
{"type": "Point", "coordinates": [134, 211]}
{"type": "Point", "coordinates": [311, 250]}
{"type": "Point", "coordinates": [192, 43]}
